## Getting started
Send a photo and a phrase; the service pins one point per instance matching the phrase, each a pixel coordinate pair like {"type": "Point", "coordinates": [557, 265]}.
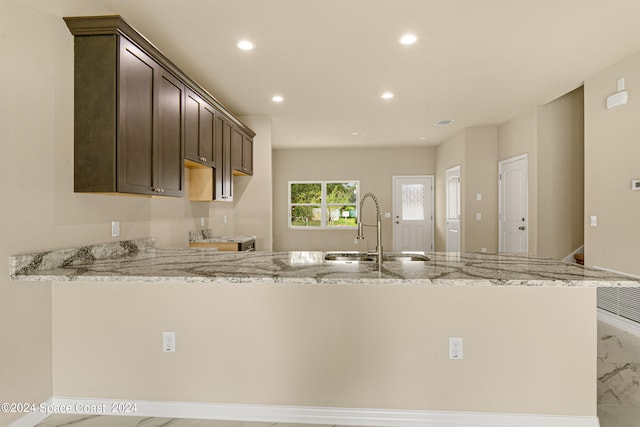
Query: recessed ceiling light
{"type": "Point", "coordinates": [387, 95]}
{"type": "Point", "coordinates": [445, 122]}
{"type": "Point", "coordinates": [423, 138]}
{"type": "Point", "coordinates": [408, 39]}
{"type": "Point", "coordinates": [246, 45]}
{"type": "Point", "coordinates": [355, 133]}
{"type": "Point", "coordinates": [277, 98]}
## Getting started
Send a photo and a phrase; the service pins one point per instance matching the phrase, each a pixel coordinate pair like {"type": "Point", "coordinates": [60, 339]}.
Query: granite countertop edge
{"type": "Point", "coordinates": [140, 261]}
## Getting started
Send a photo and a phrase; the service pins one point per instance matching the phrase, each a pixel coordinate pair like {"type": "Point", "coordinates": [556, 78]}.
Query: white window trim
{"type": "Point", "coordinates": [323, 205]}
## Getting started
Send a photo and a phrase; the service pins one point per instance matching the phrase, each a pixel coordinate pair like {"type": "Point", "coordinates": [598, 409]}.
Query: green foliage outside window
{"type": "Point", "coordinates": [337, 200]}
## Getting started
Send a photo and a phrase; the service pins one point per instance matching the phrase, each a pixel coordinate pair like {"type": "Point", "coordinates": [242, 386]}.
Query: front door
{"type": "Point", "coordinates": [453, 209]}
{"type": "Point", "coordinates": [513, 233]}
{"type": "Point", "coordinates": [413, 213]}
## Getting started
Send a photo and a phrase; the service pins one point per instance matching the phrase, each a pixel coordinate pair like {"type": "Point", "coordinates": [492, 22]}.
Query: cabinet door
{"type": "Point", "coordinates": [192, 126]}
{"type": "Point", "coordinates": [207, 134]}
{"type": "Point", "coordinates": [168, 145]}
{"type": "Point", "coordinates": [224, 182]}
{"type": "Point", "coordinates": [247, 155]}
{"type": "Point", "coordinates": [137, 126]}
{"type": "Point", "coordinates": [236, 154]}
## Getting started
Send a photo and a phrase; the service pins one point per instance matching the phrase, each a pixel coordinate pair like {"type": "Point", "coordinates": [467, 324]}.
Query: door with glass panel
{"type": "Point", "coordinates": [413, 213]}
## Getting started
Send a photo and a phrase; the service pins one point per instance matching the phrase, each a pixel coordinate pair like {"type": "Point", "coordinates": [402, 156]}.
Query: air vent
{"type": "Point", "coordinates": [446, 122]}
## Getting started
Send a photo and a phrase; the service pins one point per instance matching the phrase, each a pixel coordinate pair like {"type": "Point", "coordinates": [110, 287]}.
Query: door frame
{"type": "Point", "coordinates": [501, 164]}
{"type": "Point", "coordinates": [394, 209]}
{"type": "Point", "coordinates": [446, 216]}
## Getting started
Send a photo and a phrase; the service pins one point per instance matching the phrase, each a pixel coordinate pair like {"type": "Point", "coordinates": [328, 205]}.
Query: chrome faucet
{"type": "Point", "coordinates": [378, 226]}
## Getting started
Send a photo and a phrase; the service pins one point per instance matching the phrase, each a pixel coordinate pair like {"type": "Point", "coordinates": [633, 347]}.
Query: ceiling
{"type": "Point", "coordinates": [478, 62]}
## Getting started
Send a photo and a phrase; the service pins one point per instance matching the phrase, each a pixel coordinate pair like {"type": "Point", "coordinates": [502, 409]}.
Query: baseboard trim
{"type": "Point", "coordinates": [305, 414]}
{"type": "Point", "coordinates": [33, 418]}
{"type": "Point", "coordinates": [619, 322]}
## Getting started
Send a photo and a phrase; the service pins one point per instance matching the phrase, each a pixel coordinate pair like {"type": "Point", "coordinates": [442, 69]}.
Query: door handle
{"type": "Point", "coordinates": [522, 227]}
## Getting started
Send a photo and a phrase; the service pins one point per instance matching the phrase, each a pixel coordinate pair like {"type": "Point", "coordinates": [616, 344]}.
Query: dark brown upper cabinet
{"type": "Point", "coordinates": [224, 171]}
{"type": "Point", "coordinates": [199, 130]}
{"type": "Point", "coordinates": [139, 118]}
{"type": "Point", "coordinates": [242, 153]}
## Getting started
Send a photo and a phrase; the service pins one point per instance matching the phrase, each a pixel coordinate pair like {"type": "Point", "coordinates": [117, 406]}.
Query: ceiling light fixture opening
{"type": "Point", "coordinates": [387, 95]}
{"type": "Point", "coordinates": [408, 39]}
{"type": "Point", "coordinates": [246, 45]}
{"type": "Point", "coordinates": [277, 98]}
{"type": "Point", "coordinates": [445, 122]}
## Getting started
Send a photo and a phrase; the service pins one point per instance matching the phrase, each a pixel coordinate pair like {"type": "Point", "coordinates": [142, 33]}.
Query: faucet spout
{"type": "Point", "coordinates": [378, 225]}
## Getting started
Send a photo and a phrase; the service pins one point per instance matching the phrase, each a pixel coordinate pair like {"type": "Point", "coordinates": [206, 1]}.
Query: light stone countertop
{"type": "Point", "coordinates": [141, 261]}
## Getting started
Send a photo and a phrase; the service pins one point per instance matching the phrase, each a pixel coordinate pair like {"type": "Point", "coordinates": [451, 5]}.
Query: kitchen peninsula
{"type": "Point", "coordinates": [291, 330]}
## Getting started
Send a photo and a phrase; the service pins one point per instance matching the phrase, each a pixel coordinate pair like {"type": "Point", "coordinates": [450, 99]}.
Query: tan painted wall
{"type": "Point", "coordinates": [475, 150]}
{"type": "Point", "coordinates": [329, 346]}
{"type": "Point", "coordinates": [561, 175]}
{"type": "Point", "coordinates": [519, 136]}
{"type": "Point", "coordinates": [449, 154]}
{"type": "Point", "coordinates": [40, 210]}
{"type": "Point", "coordinates": [253, 195]}
{"type": "Point", "coordinates": [481, 171]}
{"type": "Point", "coordinates": [612, 154]}
{"type": "Point", "coordinates": [372, 167]}
{"type": "Point", "coordinates": [552, 137]}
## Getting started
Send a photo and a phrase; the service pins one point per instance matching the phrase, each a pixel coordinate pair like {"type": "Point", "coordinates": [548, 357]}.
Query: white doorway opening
{"type": "Point", "coordinates": [453, 209]}
{"type": "Point", "coordinates": [413, 226]}
{"type": "Point", "coordinates": [513, 202]}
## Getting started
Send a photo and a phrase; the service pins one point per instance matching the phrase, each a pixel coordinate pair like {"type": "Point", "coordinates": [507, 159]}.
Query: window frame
{"type": "Point", "coordinates": [324, 223]}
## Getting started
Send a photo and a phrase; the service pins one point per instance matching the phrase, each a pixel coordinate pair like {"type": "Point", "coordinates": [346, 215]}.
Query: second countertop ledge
{"type": "Point", "coordinates": [141, 261]}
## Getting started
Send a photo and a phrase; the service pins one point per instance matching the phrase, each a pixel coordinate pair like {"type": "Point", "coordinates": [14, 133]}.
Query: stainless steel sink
{"type": "Point", "coordinates": [349, 257]}
{"type": "Point", "coordinates": [355, 257]}
{"type": "Point", "coordinates": [405, 257]}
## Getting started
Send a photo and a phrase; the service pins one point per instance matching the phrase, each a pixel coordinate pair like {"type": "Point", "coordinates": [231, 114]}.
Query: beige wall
{"type": "Point", "coordinates": [561, 175]}
{"type": "Point", "coordinates": [612, 154]}
{"type": "Point", "coordinates": [552, 137]}
{"type": "Point", "coordinates": [475, 150]}
{"type": "Point", "coordinates": [449, 154]}
{"type": "Point", "coordinates": [40, 210]}
{"type": "Point", "coordinates": [519, 136]}
{"type": "Point", "coordinates": [329, 346]}
{"type": "Point", "coordinates": [372, 167]}
{"type": "Point", "coordinates": [253, 196]}
{"type": "Point", "coordinates": [481, 177]}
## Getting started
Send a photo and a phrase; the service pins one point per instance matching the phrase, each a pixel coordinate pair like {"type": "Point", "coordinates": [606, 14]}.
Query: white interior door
{"type": "Point", "coordinates": [453, 209]}
{"type": "Point", "coordinates": [513, 227]}
{"type": "Point", "coordinates": [412, 213]}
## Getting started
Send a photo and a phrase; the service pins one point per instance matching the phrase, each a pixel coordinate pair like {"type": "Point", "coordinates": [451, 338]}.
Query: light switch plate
{"type": "Point", "coordinates": [594, 220]}
{"type": "Point", "coordinates": [115, 228]}
{"type": "Point", "coordinates": [635, 184]}
{"type": "Point", "coordinates": [169, 342]}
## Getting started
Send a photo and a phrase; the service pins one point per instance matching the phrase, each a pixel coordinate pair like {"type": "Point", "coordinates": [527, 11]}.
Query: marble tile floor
{"type": "Point", "coordinates": [618, 377]}
{"type": "Point", "coordinates": [618, 393]}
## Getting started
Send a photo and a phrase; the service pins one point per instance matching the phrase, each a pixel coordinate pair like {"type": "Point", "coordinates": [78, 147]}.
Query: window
{"type": "Point", "coordinates": [323, 204]}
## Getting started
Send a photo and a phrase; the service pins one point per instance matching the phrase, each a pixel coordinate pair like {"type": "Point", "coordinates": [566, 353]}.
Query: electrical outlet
{"type": "Point", "coordinates": [483, 250]}
{"type": "Point", "coordinates": [115, 228]}
{"type": "Point", "coordinates": [455, 348]}
{"type": "Point", "coordinates": [594, 221]}
{"type": "Point", "coordinates": [201, 221]}
{"type": "Point", "coordinates": [478, 216]}
{"type": "Point", "coordinates": [169, 342]}
{"type": "Point", "coordinates": [224, 219]}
